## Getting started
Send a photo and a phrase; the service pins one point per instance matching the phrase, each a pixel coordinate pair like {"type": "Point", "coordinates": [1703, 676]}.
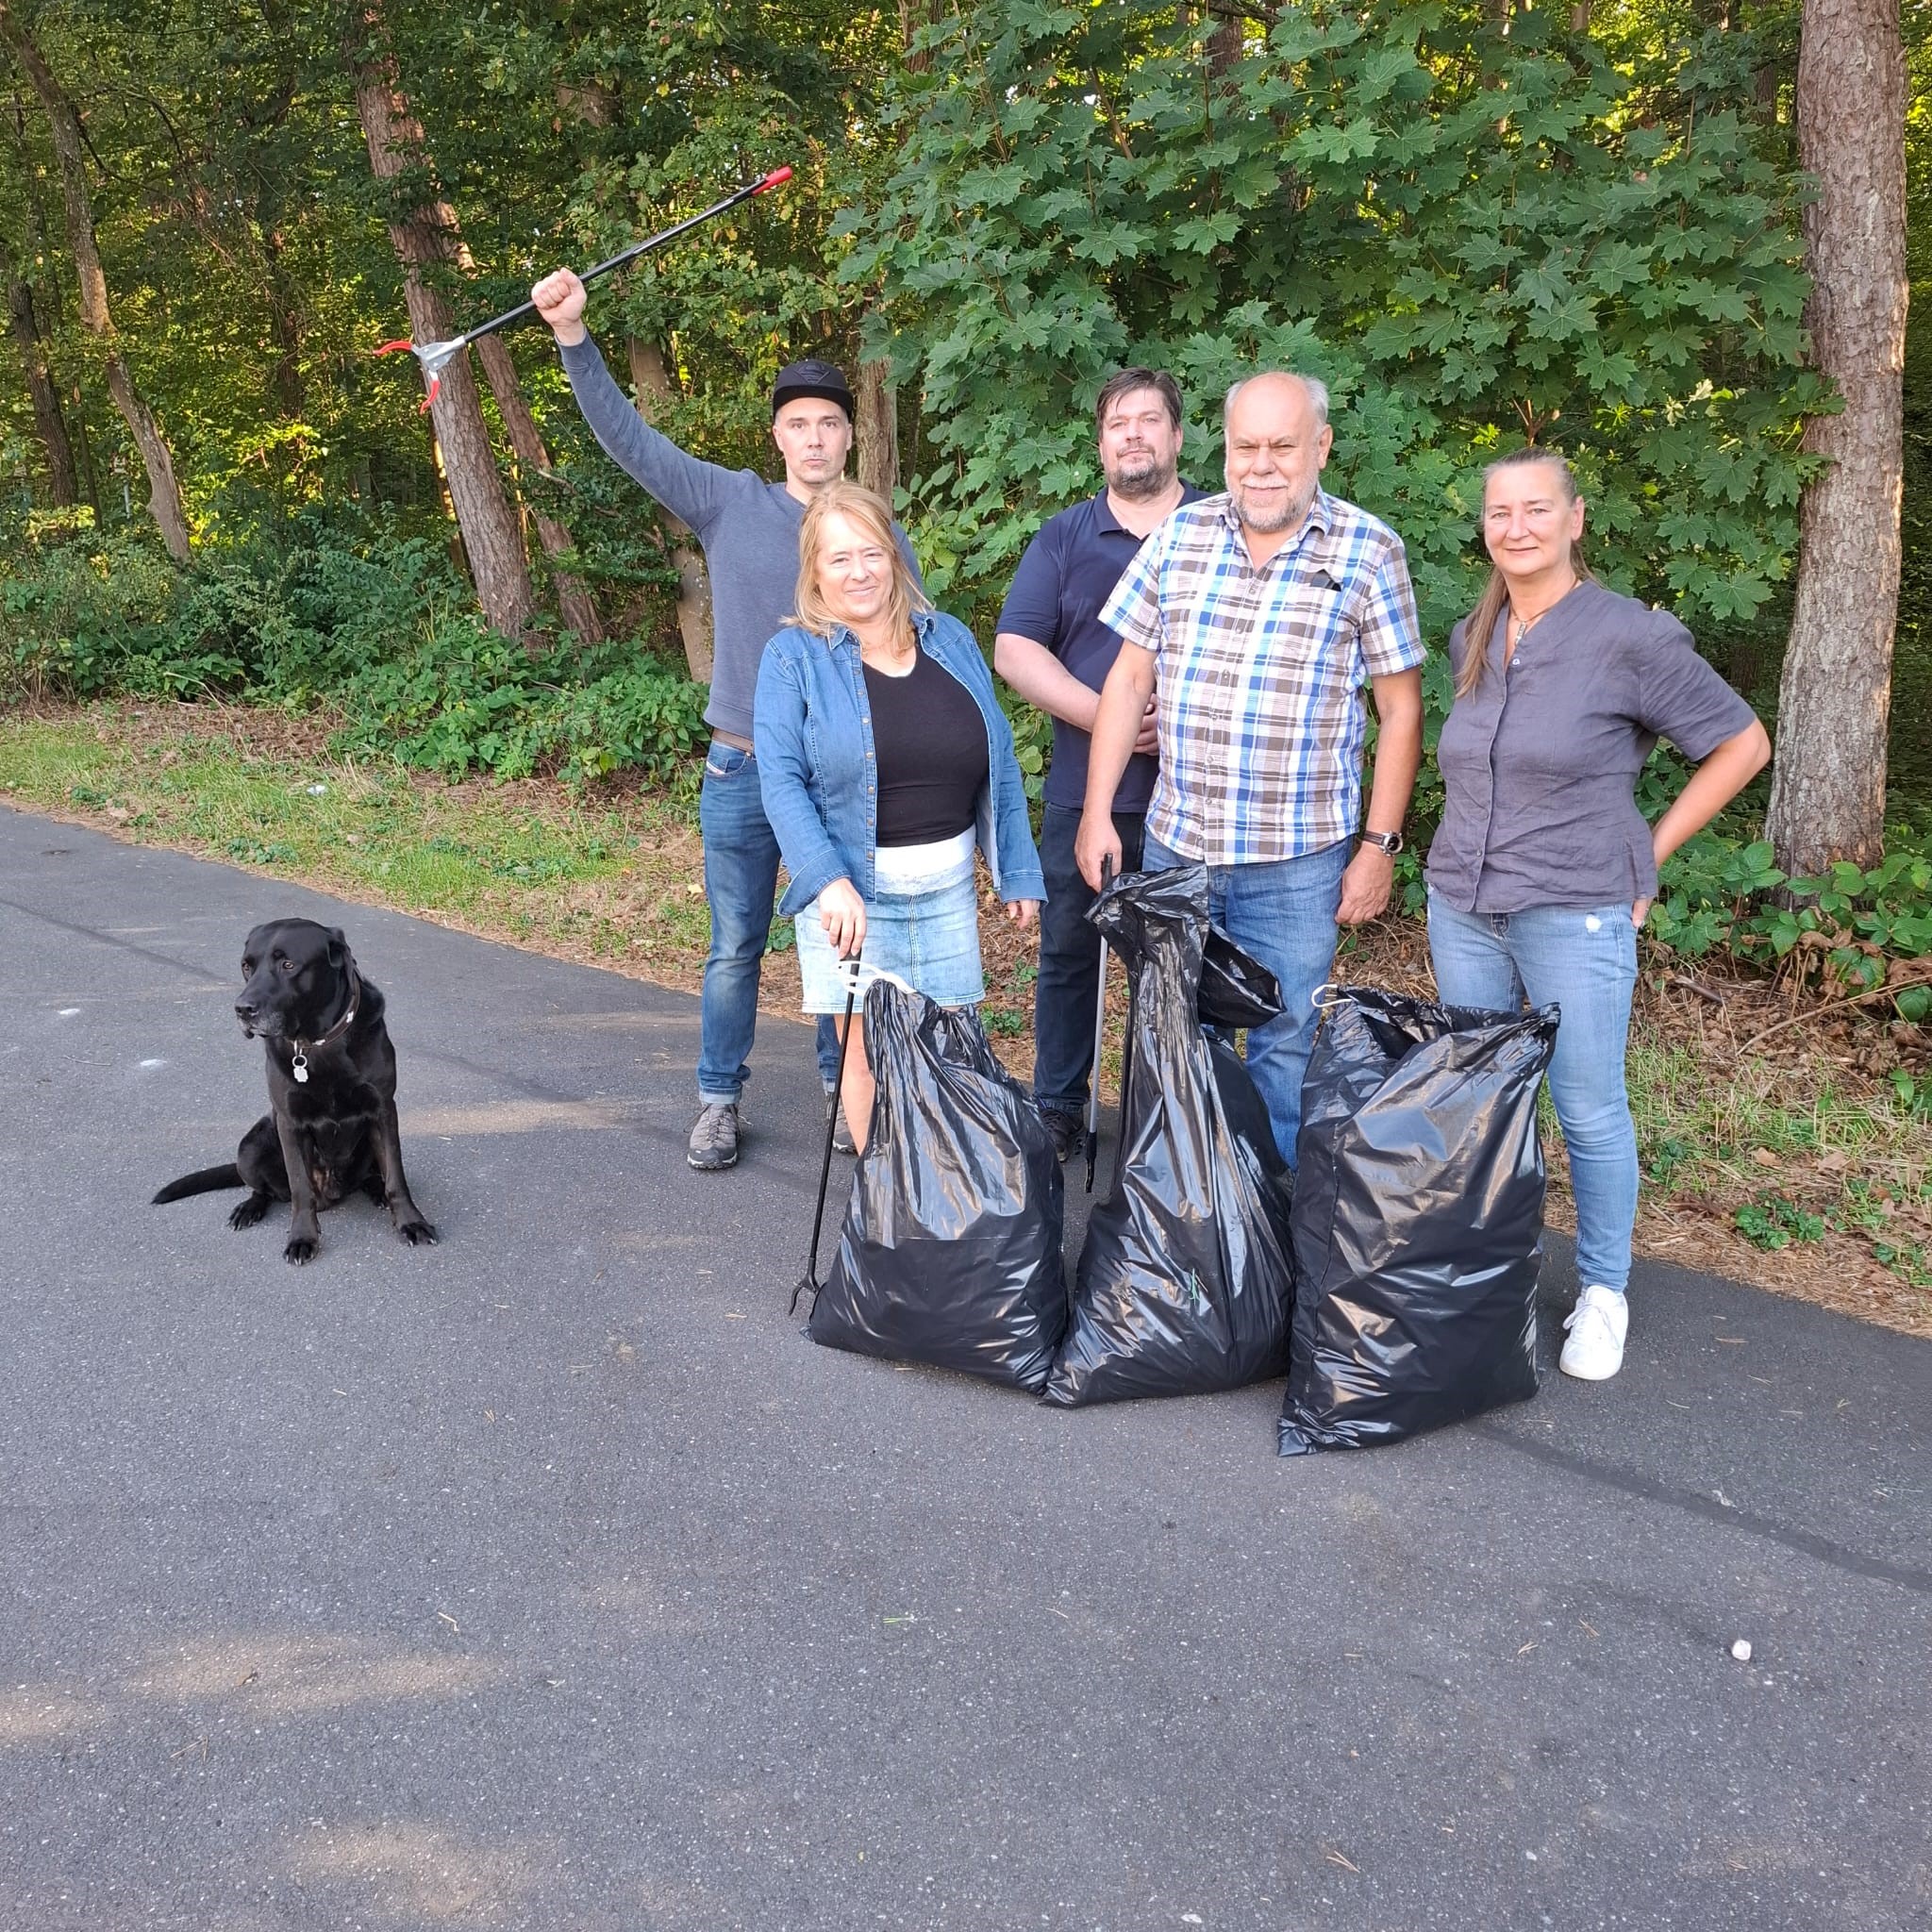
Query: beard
{"type": "Point", "coordinates": [1142, 476]}
{"type": "Point", "coordinates": [1283, 516]}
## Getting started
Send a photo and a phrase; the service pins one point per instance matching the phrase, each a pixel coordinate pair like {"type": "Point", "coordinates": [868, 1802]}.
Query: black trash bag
{"type": "Point", "coordinates": [1418, 1219]}
{"type": "Point", "coordinates": [1237, 989]}
{"type": "Point", "coordinates": [1185, 1283]}
{"type": "Point", "coordinates": [951, 1249]}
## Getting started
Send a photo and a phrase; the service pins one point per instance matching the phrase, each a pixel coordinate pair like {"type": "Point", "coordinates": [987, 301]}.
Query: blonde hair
{"type": "Point", "coordinates": [870, 512]}
{"type": "Point", "coordinates": [1481, 623]}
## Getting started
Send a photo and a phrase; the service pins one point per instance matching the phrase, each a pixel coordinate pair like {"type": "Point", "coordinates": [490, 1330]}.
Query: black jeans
{"type": "Point", "coordinates": [1065, 993]}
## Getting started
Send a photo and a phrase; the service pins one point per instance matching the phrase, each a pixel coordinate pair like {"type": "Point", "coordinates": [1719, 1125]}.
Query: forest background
{"type": "Point", "coordinates": [1482, 223]}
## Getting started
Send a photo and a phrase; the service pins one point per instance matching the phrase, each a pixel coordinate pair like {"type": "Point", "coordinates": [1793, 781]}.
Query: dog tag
{"type": "Point", "coordinates": [300, 1068]}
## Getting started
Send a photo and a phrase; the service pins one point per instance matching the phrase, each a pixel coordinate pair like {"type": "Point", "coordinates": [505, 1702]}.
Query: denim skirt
{"type": "Point", "coordinates": [923, 929]}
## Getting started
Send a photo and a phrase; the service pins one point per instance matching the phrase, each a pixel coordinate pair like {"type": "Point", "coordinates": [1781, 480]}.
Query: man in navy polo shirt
{"type": "Point", "coordinates": [1053, 650]}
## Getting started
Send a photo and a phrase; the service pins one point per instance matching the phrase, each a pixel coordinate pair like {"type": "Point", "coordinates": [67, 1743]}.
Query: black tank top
{"type": "Point", "coordinates": [929, 741]}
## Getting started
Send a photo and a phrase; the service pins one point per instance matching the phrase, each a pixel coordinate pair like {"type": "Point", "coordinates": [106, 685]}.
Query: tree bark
{"type": "Point", "coordinates": [165, 492]}
{"type": "Point", "coordinates": [650, 377]}
{"type": "Point", "coordinates": [877, 428]}
{"type": "Point", "coordinates": [285, 322]}
{"type": "Point", "coordinates": [1827, 796]}
{"type": "Point", "coordinates": [425, 239]}
{"type": "Point", "coordinates": [573, 601]}
{"type": "Point", "coordinates": [50, 424]}
{"type": "Point", "coordinates": [914, 15]}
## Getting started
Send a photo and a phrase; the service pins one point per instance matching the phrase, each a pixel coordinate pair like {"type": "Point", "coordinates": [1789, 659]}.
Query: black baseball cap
{"type": "Point", "coordinates": [812, 377]}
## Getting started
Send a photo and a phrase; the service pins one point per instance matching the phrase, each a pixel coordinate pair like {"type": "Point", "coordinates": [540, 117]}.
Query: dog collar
{"type": "Point", "coordinates": [299, 1067]}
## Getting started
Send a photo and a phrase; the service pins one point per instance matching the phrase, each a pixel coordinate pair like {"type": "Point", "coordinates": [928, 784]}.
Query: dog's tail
{"type": "Point", "coordinates": [207, 1180]}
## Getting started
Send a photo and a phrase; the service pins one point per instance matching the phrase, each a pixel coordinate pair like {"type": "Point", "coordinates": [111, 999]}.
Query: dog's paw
{"type": "Point", "coordinates": [419, 1234]}
{"type": "Point", "coordinates": [300, 1249]}
{"type": "Point", "coordinates": [250, 1211]}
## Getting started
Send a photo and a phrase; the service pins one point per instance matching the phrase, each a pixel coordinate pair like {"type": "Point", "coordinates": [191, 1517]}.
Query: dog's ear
{"type": "Point", "coordinates": [339, 956]}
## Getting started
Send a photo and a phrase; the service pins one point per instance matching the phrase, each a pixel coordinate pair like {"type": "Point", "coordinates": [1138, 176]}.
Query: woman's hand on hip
{"type": "Point", "coordinates": [842, 912]}
{"type": "Point", "coordinates": [1022, 912]}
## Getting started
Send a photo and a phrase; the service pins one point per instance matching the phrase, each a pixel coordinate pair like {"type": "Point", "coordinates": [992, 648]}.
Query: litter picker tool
{"type": "Point", "coordinates": [809, 1279]}
{"type": "Point", "coordinates": [435, 356]}
{"type": "Point", "coordinates": [1099, 1035]}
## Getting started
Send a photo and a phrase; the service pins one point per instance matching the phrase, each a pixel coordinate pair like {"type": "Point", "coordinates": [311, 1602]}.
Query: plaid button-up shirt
{"type": "Point", "coordinates": [1262, 721]}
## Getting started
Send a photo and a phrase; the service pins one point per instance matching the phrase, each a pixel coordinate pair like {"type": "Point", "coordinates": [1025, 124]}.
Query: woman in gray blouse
{"type": "Point", "coordinates": [1544, 868]}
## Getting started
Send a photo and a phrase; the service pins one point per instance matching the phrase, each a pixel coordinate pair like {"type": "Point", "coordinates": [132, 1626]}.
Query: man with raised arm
{"type": "Point", "coordinates": [1053, 649]}
{"type": "Point", "coordinates": [1265, 611]}
{"type": "Point", "coordinates": [748, 528]}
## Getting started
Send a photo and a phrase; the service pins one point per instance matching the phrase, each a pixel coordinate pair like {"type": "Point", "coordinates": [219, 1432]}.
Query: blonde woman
{"type": "Point", "coordinates": [1544, 868]}
{"type": "Point", "coordinates": [885, 762]}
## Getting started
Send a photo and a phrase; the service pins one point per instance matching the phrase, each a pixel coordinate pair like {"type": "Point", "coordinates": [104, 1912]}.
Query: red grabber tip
{"type": "Point", "coordinates": [773, 179]}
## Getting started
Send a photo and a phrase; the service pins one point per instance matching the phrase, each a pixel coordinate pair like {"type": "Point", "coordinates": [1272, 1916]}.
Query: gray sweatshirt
{"type": "Point", "coordinates": [748, 527]}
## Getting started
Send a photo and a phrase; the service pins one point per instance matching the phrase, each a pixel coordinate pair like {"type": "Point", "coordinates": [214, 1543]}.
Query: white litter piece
{"type": "Point", "coordinates": [1742, 1650]}
{"type": "Point", "coordinates": [68, 1012]}
{"type": "Point", "coordinates": [316, 790]}
{"type": "Point", "coordinates": [154, 1063]}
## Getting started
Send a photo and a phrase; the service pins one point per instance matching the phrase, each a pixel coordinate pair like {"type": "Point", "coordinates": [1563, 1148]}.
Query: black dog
{"type": "Point", "coordinates": [331, 1124]}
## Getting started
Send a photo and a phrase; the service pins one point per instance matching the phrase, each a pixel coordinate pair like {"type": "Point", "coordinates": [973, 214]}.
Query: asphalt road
{"type": "Point", "coordinates": [548, 1578]}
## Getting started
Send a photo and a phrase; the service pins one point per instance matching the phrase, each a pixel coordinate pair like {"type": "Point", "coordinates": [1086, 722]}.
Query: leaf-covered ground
{"type": "Point", "coordinates": [1777, 1149]}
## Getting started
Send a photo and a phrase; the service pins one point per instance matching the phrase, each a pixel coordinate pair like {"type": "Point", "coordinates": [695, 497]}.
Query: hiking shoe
{"type": "Point", "coordinates": [842, 1142]}
{"type": "Point", "coordinates": [1597, 1325]}
{"type": "Point", "coordinates": [1069, 1136]}
{"type": "Point", "coordinates": [714, 1139]}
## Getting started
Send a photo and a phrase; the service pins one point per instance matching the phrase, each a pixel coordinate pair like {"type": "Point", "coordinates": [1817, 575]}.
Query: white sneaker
{"type": "Point", "coordinates": [1597, 1325]}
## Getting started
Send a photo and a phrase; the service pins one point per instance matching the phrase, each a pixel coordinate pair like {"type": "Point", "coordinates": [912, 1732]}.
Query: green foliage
{"type": "Point", "coordinates": [1032, 740]}
{"type": "Point", "coordinates": [95, 617]}
{"type": "Point", "coordinates": [379, 633]}
{"type": "Point", "coordinates": [1472, 236]}
{"type": "Point", "coordinates": [1721, 892]}
{"type": "Point", "coordinates": [1774, 1221]}
{"type": "Point", "coordinates": [1912, 1092]}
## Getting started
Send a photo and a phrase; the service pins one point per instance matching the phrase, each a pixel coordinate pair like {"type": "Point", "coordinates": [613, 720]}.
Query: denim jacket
{"type": "Point", "coordinates": [812, 730]}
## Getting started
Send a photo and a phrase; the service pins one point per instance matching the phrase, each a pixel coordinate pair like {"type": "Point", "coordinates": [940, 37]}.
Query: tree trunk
{"type": "Point", "coordinates": [285, 324]}
{"type": "Point", "coordinates": [914, 15]}
{"type": "Point", "coordinates": [165, 492]}
{"type": "Point", "coordinates": [1226, 40]}
{"type": "Point", "coordinates": [1827, 796]}
{"type": "Point", "coordinates": [578, 609]}
{"type": "Point", "coordinates": [650, 377]}
{"type": "Point", "coordinates": [877, 428]}
{"type": "Point", "coordinates": [424, 238]}
{"type": "Point", "coordinates": [50, 425]}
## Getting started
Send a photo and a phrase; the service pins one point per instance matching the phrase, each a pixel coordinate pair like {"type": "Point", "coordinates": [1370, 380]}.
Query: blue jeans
{"type": "Point", "coordinates": [1068, 990]}
{"type": "Point", "coordinates": [740, 882]}
{"type": "Point", "coordinates": [1585, 961]}
{"type": "Point", "coordinates": [1281, 910]}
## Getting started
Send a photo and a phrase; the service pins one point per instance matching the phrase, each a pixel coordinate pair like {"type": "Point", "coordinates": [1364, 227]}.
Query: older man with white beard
{"type": "Point", "coordinates": [1261, 614]}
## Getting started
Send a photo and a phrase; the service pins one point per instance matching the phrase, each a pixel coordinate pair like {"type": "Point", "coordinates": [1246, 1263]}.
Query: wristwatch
{"type": "Point", "coordinates": [1390, 843]}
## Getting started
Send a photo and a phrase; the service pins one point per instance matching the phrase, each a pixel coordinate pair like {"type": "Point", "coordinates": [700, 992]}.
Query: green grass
{"type": "Point", "coordinates": [530, 860]}
{"type": "Point", "coordinates": [1739, 1118]}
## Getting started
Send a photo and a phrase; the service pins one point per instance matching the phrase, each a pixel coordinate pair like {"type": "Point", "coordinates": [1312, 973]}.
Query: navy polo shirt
{"type": "Point", "coordinates": [1058, 593]}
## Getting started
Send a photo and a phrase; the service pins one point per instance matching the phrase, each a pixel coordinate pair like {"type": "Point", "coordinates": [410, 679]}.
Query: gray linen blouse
{"type": "Point", "coordinates": [1540, 762]}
